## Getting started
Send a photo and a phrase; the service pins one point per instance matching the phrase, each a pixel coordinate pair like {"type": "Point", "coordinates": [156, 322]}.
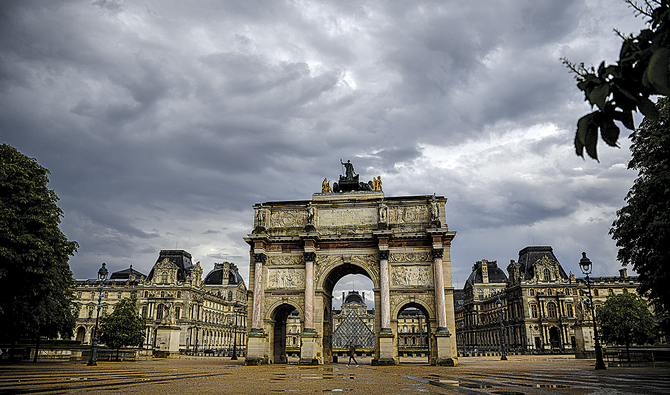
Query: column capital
{"type": "Point", "coordinates": [437, 253]}
{"type": "Point", "coordinates": [384, 254]}
{"type": "Point", "coordinates": [260, 258]}
{"type": "Point", "coordinates": [310, 256]}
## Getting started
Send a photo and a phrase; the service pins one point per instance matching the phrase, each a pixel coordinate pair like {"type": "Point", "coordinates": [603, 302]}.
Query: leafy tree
{"type": "Point", "coordinates": [617, 90]}
{"type": "Point", "coordinates": [642, 227]}
{"type": "Point", "coordinates": [35, 277]}
{"type": "Point", "coordinates": [124, 327]}
{"type": "Point", "coordinates": [625, 319]}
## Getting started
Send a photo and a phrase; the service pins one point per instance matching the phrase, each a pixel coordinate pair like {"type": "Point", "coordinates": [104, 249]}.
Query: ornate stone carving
{"type": "Point", "coordinates": [437, 253]}
{"type": "Point", "coordinates": [411, 276]}
{"type": "Point", "coordinates": [284, 260]}
{"type": "Point", "coordinates": [411, 257]}
{"type": "Point", "coordinates": [288, 218]}
{"type": "Point", "coordinates": [260, 258]}
{"type": "Point", "coordinates": [285, 278]}
{"type": "Point", "coordinates": [309, 256]}
{"type": "Point", "coordinates": [410, 214]}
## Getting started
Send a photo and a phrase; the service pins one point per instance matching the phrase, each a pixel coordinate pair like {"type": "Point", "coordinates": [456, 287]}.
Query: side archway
{"type": "Point", "coordinates": [417, 315]}
{"type": "Point", "coordinates": [279, 317]}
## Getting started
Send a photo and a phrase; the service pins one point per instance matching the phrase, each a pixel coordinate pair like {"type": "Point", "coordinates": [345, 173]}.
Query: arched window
{"type": "Point", "coordinates": [413, 328]}
{"type": "Point", "coordinates": [532, 292]}
{"type": "Point", "coordinates": [230, 295]}
{"type": "Point", "coordinates": [480, 293]}
{"type": "Point", "coordinates": [162, 294]}
{"type": "Point", "coordinates": [118, 295]}
{"type": "Point", "coordinates": [595, 292]}
{"type": "Point", "coordinates": [177, 312]}
{"type": "Point", "coordinates": [159, 312]}
{"type": "Point", "coordinates": [533, 311]}
{"type": "Point", "coordinates": [547, 275]}
{"type": "Point", "coordinates": [610, 291]}
{"type": "Point", "coordinates": [164, 278]}
{"type": "Point", "coordinates": [404, 328]}
{"type": "Point", "coordinates": [568, 307]}
{"type": "Point", "coordinates": [146, 294]}
{"type": "Point", "coordinates": [90, 312]}
{"type": "Point", "coordinates": [179, 294]}
{"type": "Point", "coordinates": [144, 312]}
{"type": "Point", "coordinates": [551, 310]}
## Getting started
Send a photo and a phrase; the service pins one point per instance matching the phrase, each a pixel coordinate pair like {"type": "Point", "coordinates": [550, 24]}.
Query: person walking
{"type": "Point", "coordinates": [352, 354]}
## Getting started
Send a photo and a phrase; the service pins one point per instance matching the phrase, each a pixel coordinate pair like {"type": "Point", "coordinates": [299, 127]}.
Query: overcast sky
{"type": "Point", "coordinates": [164, 122]}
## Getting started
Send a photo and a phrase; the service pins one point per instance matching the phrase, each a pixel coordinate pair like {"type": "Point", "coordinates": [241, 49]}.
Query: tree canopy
{"type": "Point", "coordinates": [642, 71]}
{"type": "Point", "coordinates": [35, 277]}
{"type": "Point", "coordinates": [625, 319]}
{"type": "Point", "coordinates": [124, 327]}
{"type": "Point", "coordinates": [642, 227]}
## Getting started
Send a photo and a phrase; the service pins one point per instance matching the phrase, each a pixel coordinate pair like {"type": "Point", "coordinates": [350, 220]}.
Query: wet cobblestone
{"type": "Point", "coordinates": [214, 375]}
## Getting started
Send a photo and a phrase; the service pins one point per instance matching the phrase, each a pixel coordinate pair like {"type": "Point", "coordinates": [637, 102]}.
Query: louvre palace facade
{"type": "Point", "coordinates": [183, 312]}
{"type": "Point", "coordinates": [538, 303]}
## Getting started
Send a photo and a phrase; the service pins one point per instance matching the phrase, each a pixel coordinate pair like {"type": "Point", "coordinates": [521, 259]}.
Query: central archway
{"type": "Point", "coordinates": [326, 291]}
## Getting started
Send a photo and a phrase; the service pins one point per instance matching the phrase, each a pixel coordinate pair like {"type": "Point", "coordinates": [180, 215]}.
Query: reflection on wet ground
{"type": "Point", "coordinates": [219, 375]}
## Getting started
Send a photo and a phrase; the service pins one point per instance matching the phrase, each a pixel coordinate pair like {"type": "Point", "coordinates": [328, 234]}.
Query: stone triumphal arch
{"type": "Point", "coordinates": [300, 249]}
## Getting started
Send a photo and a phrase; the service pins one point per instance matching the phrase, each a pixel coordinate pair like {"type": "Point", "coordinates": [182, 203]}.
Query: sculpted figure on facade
{"type": "Point", "coordinates": [383, 213]}
{"type": "Point", "coordinates": [434, 210]}
{"type": "Point", "coordinates": [348, 169]}
{"type": "Point", "coordinates": [311, 211]}
{"type": "Point", "coordinates": [260, 217]}
{"type": "Point", "coordinates": [325, 186]}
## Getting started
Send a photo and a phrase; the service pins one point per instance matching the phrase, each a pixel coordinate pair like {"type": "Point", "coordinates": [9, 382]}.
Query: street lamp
{"type": "Point", "coordinates": [502, 331]}
{"type": "Point", "coordinates": [235, 308]}
{"type": "Point", "coordinates": [102, 276]}
{"type": "Point", "coordinates": [586, 266]}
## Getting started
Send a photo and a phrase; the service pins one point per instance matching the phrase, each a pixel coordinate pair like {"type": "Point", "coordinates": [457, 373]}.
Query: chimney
{"type": "Point", "coordinates": [623, 272]}
{"type": "Point", "coordinates": [485, 271]}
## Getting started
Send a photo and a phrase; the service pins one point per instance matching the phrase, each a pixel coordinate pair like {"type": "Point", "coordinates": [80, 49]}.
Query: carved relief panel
{"type": "Point", "coordinates": [288, 218]}
{"type": "Point", "coordinates": [411, 276]}
{"type": "Point", "coordinates": [286, 278]}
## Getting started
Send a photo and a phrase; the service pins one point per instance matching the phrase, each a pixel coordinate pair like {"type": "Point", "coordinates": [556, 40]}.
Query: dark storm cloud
{"type": "Point", "coordinates": [163, 123]}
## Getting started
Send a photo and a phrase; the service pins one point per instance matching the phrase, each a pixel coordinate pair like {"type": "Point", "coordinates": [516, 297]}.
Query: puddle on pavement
{"type": "Point", "coordinates": [472, 385]}
{"type": "Point", "coordinates": [542, 385]}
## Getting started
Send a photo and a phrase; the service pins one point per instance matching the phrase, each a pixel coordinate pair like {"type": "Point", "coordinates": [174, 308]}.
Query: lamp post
{"type": "Point", "coordinates": [235, 309]}
{"type": "Point", "coordinates": [102, 276]}
{"type": "Point", "coordinates": [586, 267]}
{"type": "Point", "coordinates": [502, 331]}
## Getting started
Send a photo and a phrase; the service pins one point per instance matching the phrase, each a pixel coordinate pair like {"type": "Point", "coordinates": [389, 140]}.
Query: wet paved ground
{"type": "Point", "coordinates": [208, 375]}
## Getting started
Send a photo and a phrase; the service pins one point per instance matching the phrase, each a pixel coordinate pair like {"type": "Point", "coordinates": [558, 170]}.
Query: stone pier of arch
{"type": "Point", "coordinates": [300, 249]}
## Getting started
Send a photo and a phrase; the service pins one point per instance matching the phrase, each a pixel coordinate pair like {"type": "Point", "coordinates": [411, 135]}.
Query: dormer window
{"type": "Point", "coordinates": [547, 275]}
{"type": "Point", "coordinates": [164, 278]}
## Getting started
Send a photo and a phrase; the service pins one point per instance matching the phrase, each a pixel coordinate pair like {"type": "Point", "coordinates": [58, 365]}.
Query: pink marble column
{"type": "Point", "coordinates": [309, 290]}
{"type": "Point", "coordinates": [259, 259]}
{"type": "Point", "coordinates": [439, 289]}
{"type": "Point", "coordinates": [385, 289]}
